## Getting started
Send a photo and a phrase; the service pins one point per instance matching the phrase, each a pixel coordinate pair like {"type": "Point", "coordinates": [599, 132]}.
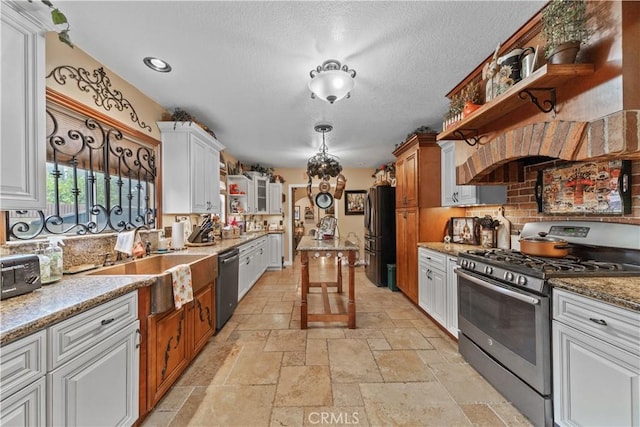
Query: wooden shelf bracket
{"type": "Point", "coordinates": [472, 140]}
{"type": "Point", "coordinates": [548, 105]}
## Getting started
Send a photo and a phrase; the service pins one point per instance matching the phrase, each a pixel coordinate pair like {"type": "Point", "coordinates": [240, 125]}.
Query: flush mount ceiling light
{"type": "Point", "coordinates": [157, 64]}
{"type": "Point", "coordinates": [323, 165]}
{"type": "Point", "coordinates": [331, 81]}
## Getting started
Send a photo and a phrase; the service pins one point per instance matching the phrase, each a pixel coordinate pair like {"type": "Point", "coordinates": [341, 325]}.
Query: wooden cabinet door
{"type": "Point", "coordinates": [168, 352]}
{"type": "Point", "coordinates": [406, 179]}
{"type": "Point", "coordinates": [400, 185]}
{"type": "Point", "coordinates": [411, 179]}
{"type": "Point", "coordinates": [407, 252]}
{"type": "Point", "coordinates": [203, 318]}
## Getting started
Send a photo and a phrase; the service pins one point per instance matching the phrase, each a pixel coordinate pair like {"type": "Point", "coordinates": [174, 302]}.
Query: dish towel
{"type": "Point", "coordinates": [125, 242]}
{"type": "Point", "coordinates": [182, 287]}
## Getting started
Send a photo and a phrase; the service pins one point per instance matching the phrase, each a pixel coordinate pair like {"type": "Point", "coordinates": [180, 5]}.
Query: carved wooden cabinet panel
{"type": "Point", "coordinates": [175, 338]}
{"type": "Point", "coordinates": [202, 319]}
{"type": "Point", "coordinates": [168, 352]}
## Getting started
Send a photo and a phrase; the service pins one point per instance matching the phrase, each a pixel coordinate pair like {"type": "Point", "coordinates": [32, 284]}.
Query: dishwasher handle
{"type": "Point", "coordinates": [230, 259]}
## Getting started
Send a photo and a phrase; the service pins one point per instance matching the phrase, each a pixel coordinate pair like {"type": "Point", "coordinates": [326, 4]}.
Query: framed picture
{"type": "Point", "coordinates": [296, 213]}
{"type": "Point", "coordinates": [354, 202]}
{"type": "Point", "coordinates": [601, 188]}
{"type": "Point", "coordinates": [464, 230]}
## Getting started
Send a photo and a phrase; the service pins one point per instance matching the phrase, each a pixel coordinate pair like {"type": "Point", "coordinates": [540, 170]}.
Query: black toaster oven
{"type": "Point", "coordinates": [20, 275]}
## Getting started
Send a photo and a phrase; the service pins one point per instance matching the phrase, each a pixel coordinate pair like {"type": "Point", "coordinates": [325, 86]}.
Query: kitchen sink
{"type": "Point", "coordinates": [204, 269]}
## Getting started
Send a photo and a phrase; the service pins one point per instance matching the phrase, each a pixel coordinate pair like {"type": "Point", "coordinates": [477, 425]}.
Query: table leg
{"type": "Point", "coordinates": [339, 279]}
{"type": "Point", "coordinates": [351, 307]}
{"type": "Point", "coordinates": [304, 261]}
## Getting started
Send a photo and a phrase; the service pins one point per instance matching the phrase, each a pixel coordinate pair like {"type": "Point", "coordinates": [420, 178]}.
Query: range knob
{"type": "Point", "coordinates": [472, 265]}
{"type": "Point", "coordinates": [488, 270]}
{"type": "Point", "coordinates": [522, 280]}
{"type": "Point", "coordinates": [464, 263]}
{"type": "Point", "coordinates": [508, 276]}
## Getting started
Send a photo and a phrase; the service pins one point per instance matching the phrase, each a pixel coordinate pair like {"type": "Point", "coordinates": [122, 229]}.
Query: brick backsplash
{"type": "Point", "coordinates": [521, 206]}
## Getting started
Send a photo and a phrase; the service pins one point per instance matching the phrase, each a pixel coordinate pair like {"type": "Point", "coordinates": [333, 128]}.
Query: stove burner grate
{"type": "Point", "coordinates": [569, 263]}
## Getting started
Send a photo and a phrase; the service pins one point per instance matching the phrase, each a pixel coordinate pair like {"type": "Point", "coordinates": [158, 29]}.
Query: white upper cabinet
{"type": "Point", "coordinates": [275, 198]}
{"type": "Point", "coordinates": [465, 195]}
{"type": "Point", "coordinates": [23, 132]}
{"type": "Point", "coordinates": [261, 184]}
{"type": "Point", "coordinates": [190, 169]}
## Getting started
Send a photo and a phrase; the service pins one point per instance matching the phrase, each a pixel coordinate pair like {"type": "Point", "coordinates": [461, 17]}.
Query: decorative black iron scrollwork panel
{"type": "Point", "coordinates": [98, 84]}
{"type": "Point", "coordinates": [97, 181]}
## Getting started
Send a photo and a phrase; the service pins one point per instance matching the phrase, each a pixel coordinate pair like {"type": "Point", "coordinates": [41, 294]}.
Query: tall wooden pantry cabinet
{"type": "Point", "coordinates": [419, 217]}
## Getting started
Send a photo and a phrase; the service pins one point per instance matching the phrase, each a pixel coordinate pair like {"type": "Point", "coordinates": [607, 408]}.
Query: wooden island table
{"type": "Point", "coordinates": [340, 248]}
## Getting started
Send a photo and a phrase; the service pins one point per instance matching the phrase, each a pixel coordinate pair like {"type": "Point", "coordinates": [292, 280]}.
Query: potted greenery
{"type": "Point", "coordinates": [564, 26]}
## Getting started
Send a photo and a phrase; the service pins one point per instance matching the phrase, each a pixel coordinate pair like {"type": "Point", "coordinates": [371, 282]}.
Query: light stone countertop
{"type": "Point", "coordinates": [73, 294]}
{"type": "Point", "coordinates": [620, 291]}
{"type": "Point", "coordinates": [307, 243]}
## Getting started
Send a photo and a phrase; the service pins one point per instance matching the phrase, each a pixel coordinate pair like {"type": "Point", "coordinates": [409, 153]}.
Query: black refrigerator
{"type": "Point", "coordinates": [380, 233]}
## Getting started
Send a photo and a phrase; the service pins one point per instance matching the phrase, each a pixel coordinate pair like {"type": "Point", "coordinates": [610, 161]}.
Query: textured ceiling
{"type": "Point", "coordinates": [242, 67]}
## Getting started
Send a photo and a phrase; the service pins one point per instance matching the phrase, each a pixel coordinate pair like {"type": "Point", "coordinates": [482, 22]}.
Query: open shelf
{"type": "Point", "coordinates": [547, 77]}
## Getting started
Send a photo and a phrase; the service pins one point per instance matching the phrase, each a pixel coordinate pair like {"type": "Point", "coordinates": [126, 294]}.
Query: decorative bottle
{"type": "Point", "coordinates": [54, 252]}
{"type": "Point", "coordinates": [45, 265]}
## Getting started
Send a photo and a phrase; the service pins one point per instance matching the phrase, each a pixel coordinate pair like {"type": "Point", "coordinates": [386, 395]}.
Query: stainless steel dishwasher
{"type": "Point", "coordinates": [226, 286]}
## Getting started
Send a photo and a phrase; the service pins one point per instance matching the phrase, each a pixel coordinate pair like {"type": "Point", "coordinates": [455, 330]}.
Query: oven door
{"type": "Point", "coordinates": [509, 324]}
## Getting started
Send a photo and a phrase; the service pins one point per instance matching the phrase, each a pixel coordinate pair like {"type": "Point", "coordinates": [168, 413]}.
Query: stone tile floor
{"type": "Point", "coordinates": [395, 368]}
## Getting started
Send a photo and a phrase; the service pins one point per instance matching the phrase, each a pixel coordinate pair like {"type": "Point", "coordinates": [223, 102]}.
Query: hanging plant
{"type": "Point", "coordinates": [58, 18]}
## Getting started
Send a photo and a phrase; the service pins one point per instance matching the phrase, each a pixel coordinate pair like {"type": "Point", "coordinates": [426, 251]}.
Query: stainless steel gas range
{"type": "Point", "coordinates": [504, 299]}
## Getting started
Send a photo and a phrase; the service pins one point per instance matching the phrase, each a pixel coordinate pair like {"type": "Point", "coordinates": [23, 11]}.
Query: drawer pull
{"type": "Point", "coordinates": [107, 321]}
{"type": "Point", "coordinates": [598, 321]}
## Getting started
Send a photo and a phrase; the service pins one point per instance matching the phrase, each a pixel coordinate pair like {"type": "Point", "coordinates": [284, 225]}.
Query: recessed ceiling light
{"type": "Point", "coordinates": [157, 64]}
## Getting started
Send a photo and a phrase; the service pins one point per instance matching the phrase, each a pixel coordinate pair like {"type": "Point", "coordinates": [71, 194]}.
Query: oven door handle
{"type": "Point", "coordinates": [499, 289]}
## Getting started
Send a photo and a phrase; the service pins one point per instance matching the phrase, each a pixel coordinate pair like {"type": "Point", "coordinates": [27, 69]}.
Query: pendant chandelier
{"type": "Point", "coordinates": [323, 165]}
{"type": "Point", "coordinates": [331, 81]}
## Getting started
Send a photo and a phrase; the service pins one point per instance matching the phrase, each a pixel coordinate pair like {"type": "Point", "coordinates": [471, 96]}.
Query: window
{"type": "Point", "coordinates": [98, 180]}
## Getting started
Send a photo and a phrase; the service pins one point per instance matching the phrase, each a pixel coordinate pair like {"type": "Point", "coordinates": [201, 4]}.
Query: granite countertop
{"type": "Point", "coordinates": [620, 291]}
{"type": "Point", "coordinates": [451, 249]}
{"type": "Point", "coordinates": [29, 313]}
{"type": "Point", "coordinates": [308, 243]}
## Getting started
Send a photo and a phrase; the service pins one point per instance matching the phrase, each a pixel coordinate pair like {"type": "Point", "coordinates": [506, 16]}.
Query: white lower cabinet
{"type": "Point", "coordinates": [83, 371]}
{"type": "Point", "coordinates": [437, 288]}
{"type": "Point", "coordinates": [99, 387]}
{"type": "Point", "coordinates": [23, 366]}
{"type": "Point", "coordinates": [275, 251]}
{"type": "Point", "coordinates": [596, 362]}
{"type": "Point", "coordinates": [253, 262]}
{"type": "Point", "coordinates": [26, 407]}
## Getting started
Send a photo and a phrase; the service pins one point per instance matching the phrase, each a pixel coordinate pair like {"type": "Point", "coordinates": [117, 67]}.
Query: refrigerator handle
{"type": "Point", "coordinates": [370, 214]}
{"type": "Point", "coordinates": [367, 213]}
